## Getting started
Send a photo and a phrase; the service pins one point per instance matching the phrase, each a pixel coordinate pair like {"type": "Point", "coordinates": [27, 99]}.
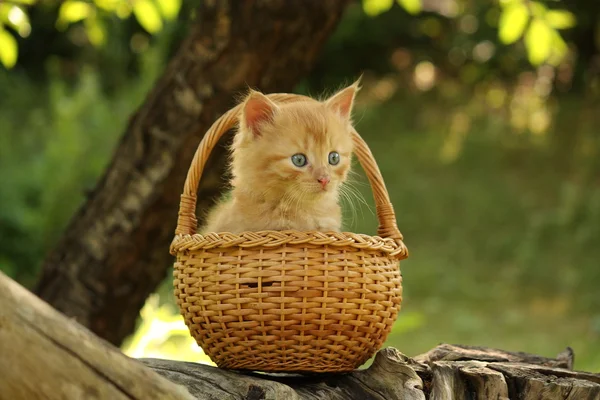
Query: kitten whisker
{"type": "Point", "coordinates": [349, 201]}
{"type": "Point", "coordinates": [358, 194]}
{"type": "Point", "coordinates": [356, 178]}
{"type": "Point", "coordinates": [350, 194]}
{"type": "Point", "coordinates": [299, 200]}
{"type": "Point", "coordinates": [288, 198]}
{"type": "Point", "coordinates": [356, 204]}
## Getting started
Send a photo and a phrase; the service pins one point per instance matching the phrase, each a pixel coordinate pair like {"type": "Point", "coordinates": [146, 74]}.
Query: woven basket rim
{"type": "Point", "coordinates": [272, 239]}
{"type": "Point", "coordinates": [388, 240]}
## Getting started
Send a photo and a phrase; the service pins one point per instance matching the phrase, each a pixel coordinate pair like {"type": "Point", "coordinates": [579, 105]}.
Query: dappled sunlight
{"type": "Point", "coordinates": [424, 76]}
{"type": "Point", "coordinates": [496, 97]}
{"type": "Point", "coordinates": [162, 333]}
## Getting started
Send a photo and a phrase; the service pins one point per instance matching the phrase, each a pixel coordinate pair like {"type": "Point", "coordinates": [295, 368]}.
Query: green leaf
{"type": "Point", "coordinates": [538, 41]}
{"type": "Point", "coordinates": [513, 21]}
{"type": "Point", "coordinates": [107, 5]}
{"type": "Point", "coordinates": [95, 31]}
{"type": "Point", "coordinates": [4, 10]}
{"type": "Point", "coordinates": [560, 19]}
{"type": "Point", "coordinates": [147, 15]}
{"type": "Point", "coordinates": [505, 3]}
{"type": "Point", "coordinates": [537, 9]}
{"type": "Point", "coordinates": [411, 6]}
{"type": "Point", "coordinates": [24, 2]}
{"type": "Point", "coordinates": [72, 11]}
{"type": "Point", "coordinates": [376, 7]}
{"type": "Point", "coordinates": [8, 49]}
{"type": "Point", "coordinates": [559, 49]}
{"type": "Point", "coordinates": [169, 8]}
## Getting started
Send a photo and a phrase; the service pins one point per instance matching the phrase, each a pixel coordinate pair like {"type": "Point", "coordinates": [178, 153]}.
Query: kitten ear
{"type": "Point", "coordinates": [257, 109]}
{"type": "Point", "coordinates": [343, 101]}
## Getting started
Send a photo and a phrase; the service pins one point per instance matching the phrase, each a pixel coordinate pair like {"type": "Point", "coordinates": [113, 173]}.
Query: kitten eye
{"type": "Point", "coordinates": [334, 158]}
{"type": "Point", "coordinates": [299, 160]}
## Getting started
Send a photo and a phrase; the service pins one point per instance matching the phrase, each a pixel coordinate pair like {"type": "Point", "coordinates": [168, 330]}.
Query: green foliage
{"type": "Point", "coordinates": [411, 6]}
{"type": "Point", "coordinates": [11, 16]}
{"type": "Point", "coordinates": [542, 40]}
{"type": "Point", "coordinates": [376, 7]}
{"type": "Point", "coordinates": [538, 40]}
{"type": "Point", "coordinates": [560, 19]}
{"type": "Point", "coordinates": [15, 17]}
{"type": "Point", "coordinates": [94, 15]}
{"type": "Point", "coordinates": [530, 20]}
{"type": "Point", "coordinates": [73, 11]}
{"type": "Point", "coordinates": [55, 142]}
{"type": "Point", "coordinates": [8, 49]}
{"type": "Point", "coordinates": [148, 15]}
{"type": "Point", "coordinates": [513, 22]}
{"type": "Point", "coordinates": [169, 8]}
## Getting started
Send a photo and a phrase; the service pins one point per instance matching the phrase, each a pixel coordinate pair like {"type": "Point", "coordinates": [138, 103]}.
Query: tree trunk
{"type": "Point", "coordinates": [46, 356]}
{"type": "Point", "coordinates": [115, 250]}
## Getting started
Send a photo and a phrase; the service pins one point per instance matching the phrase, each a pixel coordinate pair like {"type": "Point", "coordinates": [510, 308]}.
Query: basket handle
{"type": "Point", "coordinates": [187, 223]}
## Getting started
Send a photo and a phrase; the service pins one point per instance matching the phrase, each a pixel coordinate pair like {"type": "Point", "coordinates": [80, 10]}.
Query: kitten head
{"type": "Point", "coordinates": [301, 149]}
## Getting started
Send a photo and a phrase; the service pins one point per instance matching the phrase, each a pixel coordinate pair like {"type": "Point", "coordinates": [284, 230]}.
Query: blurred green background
{"type": "Point", "coordinates": [484, 118]}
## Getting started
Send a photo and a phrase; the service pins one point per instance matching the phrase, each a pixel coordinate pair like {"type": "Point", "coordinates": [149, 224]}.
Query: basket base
{"type": "Point", "coordinates": [292, 368]}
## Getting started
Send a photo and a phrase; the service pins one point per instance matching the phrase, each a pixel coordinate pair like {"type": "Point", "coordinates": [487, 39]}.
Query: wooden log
{"type": "Point", "coordinates": [390, 377]}
{"type": "Point", "coordinates": [44, 355]}
{"type": "Point", "coordinates": [445, 373]}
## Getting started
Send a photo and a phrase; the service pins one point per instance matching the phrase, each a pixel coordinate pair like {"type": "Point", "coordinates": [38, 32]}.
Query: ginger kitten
{"type": "Point", "coordinates": [288, 162]}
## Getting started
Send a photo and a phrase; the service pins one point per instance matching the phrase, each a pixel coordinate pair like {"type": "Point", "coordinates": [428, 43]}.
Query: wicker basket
{"type": "Point", "coordinates": [287, 300]}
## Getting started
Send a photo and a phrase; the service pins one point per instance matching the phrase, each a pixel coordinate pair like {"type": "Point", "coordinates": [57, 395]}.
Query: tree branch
{"type": "Point", "coordinates": [44, 355]}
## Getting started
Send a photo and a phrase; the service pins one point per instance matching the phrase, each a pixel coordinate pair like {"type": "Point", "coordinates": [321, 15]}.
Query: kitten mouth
{"type": "Point", "coordinates": [319, 189]}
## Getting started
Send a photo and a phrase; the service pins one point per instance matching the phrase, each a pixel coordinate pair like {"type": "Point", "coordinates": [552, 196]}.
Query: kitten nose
{"type": "Point", "coordinates": [323, 181]}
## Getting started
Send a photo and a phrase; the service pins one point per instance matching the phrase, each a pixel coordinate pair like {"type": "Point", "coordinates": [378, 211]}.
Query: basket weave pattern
{"type": "Point", "coordinates": [287, 300]}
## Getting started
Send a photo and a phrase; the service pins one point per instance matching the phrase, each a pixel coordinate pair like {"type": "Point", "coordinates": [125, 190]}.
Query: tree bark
{"type": "Point", "coordinates": [46, 356]}
{"type": "Point", "coordinates": [115, 250]}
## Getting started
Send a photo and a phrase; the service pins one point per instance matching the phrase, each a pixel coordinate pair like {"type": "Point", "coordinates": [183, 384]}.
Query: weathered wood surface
{"type": "Point", "coordinates": [44, 355]}
{"type": "Point", "coordinates": [390, 377]}
{"type": "Point", "coordinates": [445, 373]}
{"type": "Point", "coordinates": [115, 251]}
